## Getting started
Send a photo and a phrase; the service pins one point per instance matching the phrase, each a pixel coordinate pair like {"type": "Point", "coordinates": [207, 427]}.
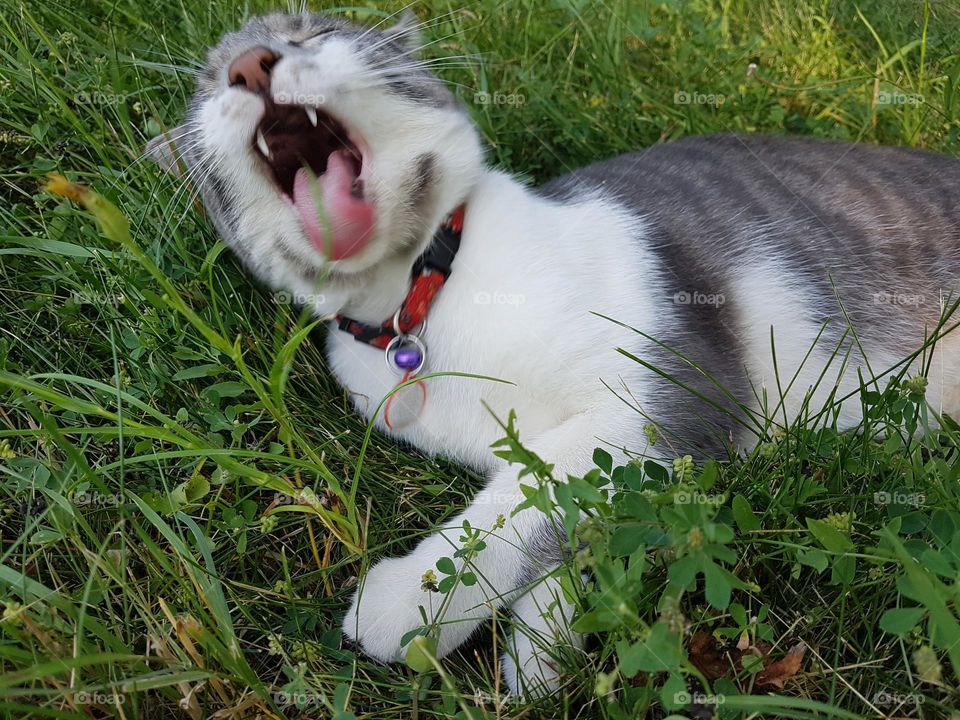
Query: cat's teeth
{"type": "Point", "coordinates": [262, 145]}
{"type": "Point", "coordinates": [311, 114]}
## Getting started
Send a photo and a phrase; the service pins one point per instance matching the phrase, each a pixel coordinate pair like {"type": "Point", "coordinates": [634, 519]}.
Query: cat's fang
{"type": "Point", "coordinates": [311, 114]}
{"type": "Point", "coordinates": [262, 145]}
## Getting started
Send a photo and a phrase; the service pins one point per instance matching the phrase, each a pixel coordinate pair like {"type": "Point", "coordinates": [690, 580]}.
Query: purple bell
{"type": "Point", "coordinates": [408, 357]}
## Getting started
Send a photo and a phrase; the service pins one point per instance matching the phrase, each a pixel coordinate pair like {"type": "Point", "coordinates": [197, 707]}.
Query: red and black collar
{"type": "Point", "coordinates": [429, 273]}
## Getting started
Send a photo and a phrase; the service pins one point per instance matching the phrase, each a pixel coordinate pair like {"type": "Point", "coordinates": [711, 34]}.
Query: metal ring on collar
{"type": "Point", "coordinates": [396, 325]}
{"type": "Point", "coordinates": [396, 343]}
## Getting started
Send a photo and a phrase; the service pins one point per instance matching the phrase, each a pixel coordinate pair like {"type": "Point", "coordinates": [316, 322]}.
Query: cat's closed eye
{"type": "Point", "coordinates": [313, 38]}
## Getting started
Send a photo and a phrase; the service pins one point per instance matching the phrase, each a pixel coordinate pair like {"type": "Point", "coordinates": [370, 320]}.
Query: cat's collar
{"type": "Point", "coordinates": [395, 336]}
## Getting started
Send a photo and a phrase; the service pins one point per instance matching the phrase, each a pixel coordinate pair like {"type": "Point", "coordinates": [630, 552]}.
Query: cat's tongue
{"type": "Point", "coordinates": [349, 219]}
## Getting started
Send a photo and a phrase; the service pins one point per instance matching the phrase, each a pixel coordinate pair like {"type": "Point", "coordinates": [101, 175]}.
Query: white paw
{"type": "Point", "coordinates": [385, 607]}
{"type": "Point", "coordinates": [387, 604]}
{"type": "Point", "coordinates": [529, 668]}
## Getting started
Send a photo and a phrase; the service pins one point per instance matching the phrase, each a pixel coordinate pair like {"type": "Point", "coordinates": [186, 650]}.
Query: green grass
{"type": "Point", "coordinates": [109, 394]}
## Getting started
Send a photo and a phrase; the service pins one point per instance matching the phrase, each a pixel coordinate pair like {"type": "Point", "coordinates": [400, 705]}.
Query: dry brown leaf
{"type": "Point", "coordinates": [716, 661]}
{"type": "Point", "coordinates": [778, 672]}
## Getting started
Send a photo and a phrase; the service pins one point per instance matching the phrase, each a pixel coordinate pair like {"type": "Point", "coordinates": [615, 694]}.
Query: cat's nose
{"type": "Point", "coordinates": [252, 69]}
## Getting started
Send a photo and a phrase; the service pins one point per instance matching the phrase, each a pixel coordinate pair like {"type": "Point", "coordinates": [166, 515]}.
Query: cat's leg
{"type": "Point", "coordinates": [540, 640]}
{"type": "Point", "coordinates": [387, 603]}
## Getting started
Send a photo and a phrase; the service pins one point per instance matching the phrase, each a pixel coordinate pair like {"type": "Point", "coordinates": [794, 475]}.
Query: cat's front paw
{"type": "Point", "coordinates": [386, 606]}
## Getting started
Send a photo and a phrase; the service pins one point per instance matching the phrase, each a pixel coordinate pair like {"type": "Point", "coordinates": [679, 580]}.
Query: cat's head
{"type": "Point", "coordinates": [319, 145]}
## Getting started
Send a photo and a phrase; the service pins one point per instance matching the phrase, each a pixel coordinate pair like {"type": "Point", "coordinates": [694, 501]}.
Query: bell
{"type": "Point", "coordinates": [408, 357]}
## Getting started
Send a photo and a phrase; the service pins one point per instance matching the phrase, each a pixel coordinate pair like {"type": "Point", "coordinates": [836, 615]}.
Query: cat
{"type": "Point", "coordinates": [746, 276]}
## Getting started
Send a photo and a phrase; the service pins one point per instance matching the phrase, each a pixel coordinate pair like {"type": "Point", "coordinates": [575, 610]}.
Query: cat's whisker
{"type": "Point", "coordinates": [378, 82]}
{"type": "Point", "coordinates": [463, 62]}
{"type": "Point", "coordinates": [191, 188]}
{"type": "Point", "coordinates": [177, 141]}
{"type": "Point", "coordinates": [442, 63]}
{"type": "Point", "coordinates": [190, 59]}
{"type": "Point", "coordinates": [166, 67]}
{"type": "Point", "coordinates": [412, 30]}
{"type": "Point", "coordinates": [383, 20]}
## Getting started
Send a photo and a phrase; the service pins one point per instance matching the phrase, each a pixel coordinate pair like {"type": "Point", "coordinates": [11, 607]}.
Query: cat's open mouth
{"type": "Point", "coordinates": [290, 137]}
{"type": "Point", "coordinates": [316, 163]}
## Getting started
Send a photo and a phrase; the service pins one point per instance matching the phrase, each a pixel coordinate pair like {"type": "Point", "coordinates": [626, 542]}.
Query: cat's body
{"type": "Point", "coordinates": [703, 245]}
{"type": "Point", "coordinates": [837, 247]}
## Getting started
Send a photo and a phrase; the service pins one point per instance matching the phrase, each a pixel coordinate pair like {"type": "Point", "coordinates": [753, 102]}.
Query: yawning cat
{"type": "Point", "coordinates": [758, 274]}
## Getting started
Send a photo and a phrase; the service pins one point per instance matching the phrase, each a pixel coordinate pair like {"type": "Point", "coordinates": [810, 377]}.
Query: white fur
{"type": "Point", "coordinates": [534, 660]}
{"type": "Point", "coordinates": [794, 372]}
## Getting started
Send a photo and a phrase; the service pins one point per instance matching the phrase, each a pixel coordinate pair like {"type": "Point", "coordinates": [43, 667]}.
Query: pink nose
{"type": "Point", "coordinates": [252, 69]}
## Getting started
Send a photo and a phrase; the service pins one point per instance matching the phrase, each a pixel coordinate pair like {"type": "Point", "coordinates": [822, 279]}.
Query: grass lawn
{"type": "Point", "coordinates": [158, 557]}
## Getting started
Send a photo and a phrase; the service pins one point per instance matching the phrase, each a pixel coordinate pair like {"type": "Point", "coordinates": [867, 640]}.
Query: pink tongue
{"type": "Point", "coordinates": [333, 207]}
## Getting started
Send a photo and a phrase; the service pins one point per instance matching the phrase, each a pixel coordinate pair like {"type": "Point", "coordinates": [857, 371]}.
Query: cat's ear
{"type": "Point", "coordinates": [407, 32]}
{"type": "Point", "coordinates": [163, 151]}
